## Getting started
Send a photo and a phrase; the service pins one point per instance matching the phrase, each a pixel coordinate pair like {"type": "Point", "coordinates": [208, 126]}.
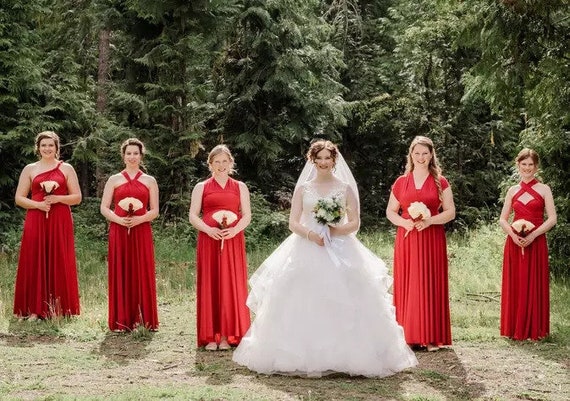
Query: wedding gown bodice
{"type": "Point", "coordinates": [311, 196]}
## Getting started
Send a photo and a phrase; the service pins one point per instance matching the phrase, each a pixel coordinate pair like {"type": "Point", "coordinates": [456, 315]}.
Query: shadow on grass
{"type": "Point", "coordinates": [439, 372]}
{"type": "Point", "coordinates": [121, 348]}
{"type": "Point", "coordinates": [28, 333]}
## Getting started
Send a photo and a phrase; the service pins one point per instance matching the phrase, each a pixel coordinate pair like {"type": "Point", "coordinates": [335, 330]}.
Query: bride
{"type": "Point", "coordinates": [321, 299]}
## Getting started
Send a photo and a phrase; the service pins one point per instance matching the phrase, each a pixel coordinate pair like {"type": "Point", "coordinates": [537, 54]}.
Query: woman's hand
{"type": "Point", "coordinates": [44, 206]}
{"type": "Point", "coordinates": [214, 232]}
{"type": "Point", "coordinates": [422, 224]}
{"type": "Point", "coordinates": [230, 232]}
{"type": "Point", "coordinates": [526, 241]}
{"type": "Point", "coordinates": [51, 199]}
{"type": "Point", "coordinates": [408, 225]}
{"type": "Point", "coordinates": [316, 238]}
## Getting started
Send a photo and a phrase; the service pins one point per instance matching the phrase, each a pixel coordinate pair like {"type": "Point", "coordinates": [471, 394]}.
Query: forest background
{"type": "Point", "coordinates": [482, 78]}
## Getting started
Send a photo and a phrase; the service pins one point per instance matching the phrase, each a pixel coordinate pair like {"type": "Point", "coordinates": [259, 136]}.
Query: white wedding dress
{"type": "Point", "coordinates": [320, 310]}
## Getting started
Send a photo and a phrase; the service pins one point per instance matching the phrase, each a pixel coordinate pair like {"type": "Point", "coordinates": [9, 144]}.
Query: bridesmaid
{"type": "Point", "coordinates": [46, 281]}
{"type": "Point", "coordinates": [421, 295]}
{"type": "Point", "coordinates": [222, 315]}
{"type": "Point", "coordinates": [132, 282]}
{"type": "Point", "coordinates": [525, 297]}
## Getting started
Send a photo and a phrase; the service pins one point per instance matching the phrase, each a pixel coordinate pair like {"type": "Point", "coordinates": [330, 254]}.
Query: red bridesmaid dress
{"type": "Point", "coordinates": [132, 281]}
{"type": "Point", "coordinates": [221, 273]}
{"type": "Point", "coordinates": [525, 299]}
{"type": "Point", "coordinates": [421, 294]}
{"type": "Point", "coordinates": [46, 281]}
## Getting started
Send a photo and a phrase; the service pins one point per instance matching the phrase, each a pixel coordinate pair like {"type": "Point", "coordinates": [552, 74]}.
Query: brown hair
{"type": "Point", "coordinates": [219, 149]}
{"type": "Point", "coordinates": [434, 167]}
{"type": "Point", "coordinates": [525, 154]}
{"type": "Point", "coordinates": [47, 135]}
{"type": "Point", "coordinates": [321, 144]}
{"type": "Point", "coordinates": [134, 142]}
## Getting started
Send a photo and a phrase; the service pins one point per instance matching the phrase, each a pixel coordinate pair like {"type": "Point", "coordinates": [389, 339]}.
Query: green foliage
{"type": "Point", "coordinates": [481, 78]}
{"type": "Point", "coordinates": [267, 225]}
{"type": "Point", "coordinates": [278, 79]}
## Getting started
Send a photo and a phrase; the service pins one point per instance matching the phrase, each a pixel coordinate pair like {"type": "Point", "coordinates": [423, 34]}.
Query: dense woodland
{"type": "Point", "coordinates": [482, 78]}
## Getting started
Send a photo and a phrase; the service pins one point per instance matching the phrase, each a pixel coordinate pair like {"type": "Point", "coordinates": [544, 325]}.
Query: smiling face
{"type": "Point", "coordinates": [221, 165]}
{"type": "Point", "coordinates": [132, 156]}
{"type": "Point", "coordinates": [47, 148]}
{"type": "Point", "coordinates": [324, 161]}
{"type": "Point", "coordinates": [527, 168]}
{"type": "Point", "coordinates": [421, 156]}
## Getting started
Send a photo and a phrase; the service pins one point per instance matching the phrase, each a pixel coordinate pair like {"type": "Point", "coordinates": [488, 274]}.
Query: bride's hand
{"type": "Point", "coordinates": [316, 238]}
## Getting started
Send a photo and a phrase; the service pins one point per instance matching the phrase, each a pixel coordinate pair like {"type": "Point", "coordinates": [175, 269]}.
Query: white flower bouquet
{"type": "Point", "coordinates": [49, 187]}
{"type": "Point", "coordinates": [130, 205]}
{"type": "Point", "coordinates": [522, 227]}
{"type": "Point", "coordinates": [329, 210]}
{"type": "Point", "coordinates": [224, 218]}
{"type": "Point", "coordinates": [417, 211]}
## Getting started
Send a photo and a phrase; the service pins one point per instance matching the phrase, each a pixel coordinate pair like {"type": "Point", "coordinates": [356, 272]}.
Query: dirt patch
{"type": "Point", "coordinates": [166, 364]}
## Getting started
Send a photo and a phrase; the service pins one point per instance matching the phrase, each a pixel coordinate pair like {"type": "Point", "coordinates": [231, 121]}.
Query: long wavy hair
{"type": "Point", "coordinates": [433, 167]}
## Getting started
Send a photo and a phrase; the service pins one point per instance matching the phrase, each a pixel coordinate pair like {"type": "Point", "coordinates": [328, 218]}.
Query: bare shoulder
{"type": "Point", "coordinates": [542, 189]}
{"type": "Point", "coordinates": [115, 179]}
{"type": "Point", "coordinates": [148, 179]}
{"type": "Point", "coordinates": [242, 186]}
{"type": "Point", "coordinates": [199, 187]}
{"type": "Point", "coordinates": [514, 189]}
{"type": "Point", "coordinates": [67, 168]}
{"type": "Point", "coordinates": [28, 168]}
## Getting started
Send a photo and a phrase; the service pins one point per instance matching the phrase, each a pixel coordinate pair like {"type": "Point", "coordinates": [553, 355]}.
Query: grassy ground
{"type": "Point", "coordinates": [79, 359]}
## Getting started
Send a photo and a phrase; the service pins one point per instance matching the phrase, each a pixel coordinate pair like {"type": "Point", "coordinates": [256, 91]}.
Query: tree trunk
{"type": "Point", "coordinates": [102, 86]}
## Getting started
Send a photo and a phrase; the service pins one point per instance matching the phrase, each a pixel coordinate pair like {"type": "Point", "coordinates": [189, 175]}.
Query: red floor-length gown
{"type": "Point", "coordinates": [221, 273]}
{"type": "Point", "coordinates": [421, 294]}
{"type": "Point", "coordinates": [132, 281]}
{"type": "Point", "coordinates": [525, 300]}
{"type": "Point", "coordinates": [46, 281]}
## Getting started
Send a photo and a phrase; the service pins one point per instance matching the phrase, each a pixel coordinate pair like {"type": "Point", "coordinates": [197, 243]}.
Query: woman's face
{"type": "Point", "coordinates": [324, 161]}
{"type": "Point", "coordinates": [421, 156]}
{"type": "Point", "coordinates": [132, 156]}
{"type": "Point", "coordinates": [527, 168]}
{"type": "Point", "coordinates": [47, 148]}
{"type": "Point", "coordinates": [221, 165]}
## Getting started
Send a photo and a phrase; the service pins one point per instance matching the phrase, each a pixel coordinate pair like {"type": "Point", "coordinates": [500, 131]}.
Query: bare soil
{"type": "Point", "coordinates": [167, 365]}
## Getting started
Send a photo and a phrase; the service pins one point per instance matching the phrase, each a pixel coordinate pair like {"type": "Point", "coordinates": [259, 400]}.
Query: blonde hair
{"type": "Point", "coordinates": [221, 149]}
{"type": "Point", "coordinates": [47, 135]}
{"type": "Point", "coordinates": [433, 167]}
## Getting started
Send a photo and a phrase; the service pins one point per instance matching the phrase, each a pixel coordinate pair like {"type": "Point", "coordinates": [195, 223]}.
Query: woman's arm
{"type": "Point", "coordinates": [295, 219]}
{"type": "Point", "coordinates": [153, 204]}
{"type": "Point", "coordinates": [106, 201]}
{"type": "Point", "coordinates": [392, 213]}
{"type": "Point", "coordinates": [447, 214]}
{"type": "Point", "coordinates": [73, 196]}
{"type": "Point", "coordinates": [23, 190]}
{"type": "Point", "coordinates": [245, 207]}
{"type": "Point", "coordinates": [352, 214]}
{"type": "Point", "coordinates": [194, 214]}
{"type": "Point", "coordinates": [551, 219]}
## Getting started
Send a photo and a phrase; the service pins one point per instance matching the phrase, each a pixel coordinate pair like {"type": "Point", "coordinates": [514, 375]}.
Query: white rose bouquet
{"type": "Point", "coordinates": [418, 211]}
